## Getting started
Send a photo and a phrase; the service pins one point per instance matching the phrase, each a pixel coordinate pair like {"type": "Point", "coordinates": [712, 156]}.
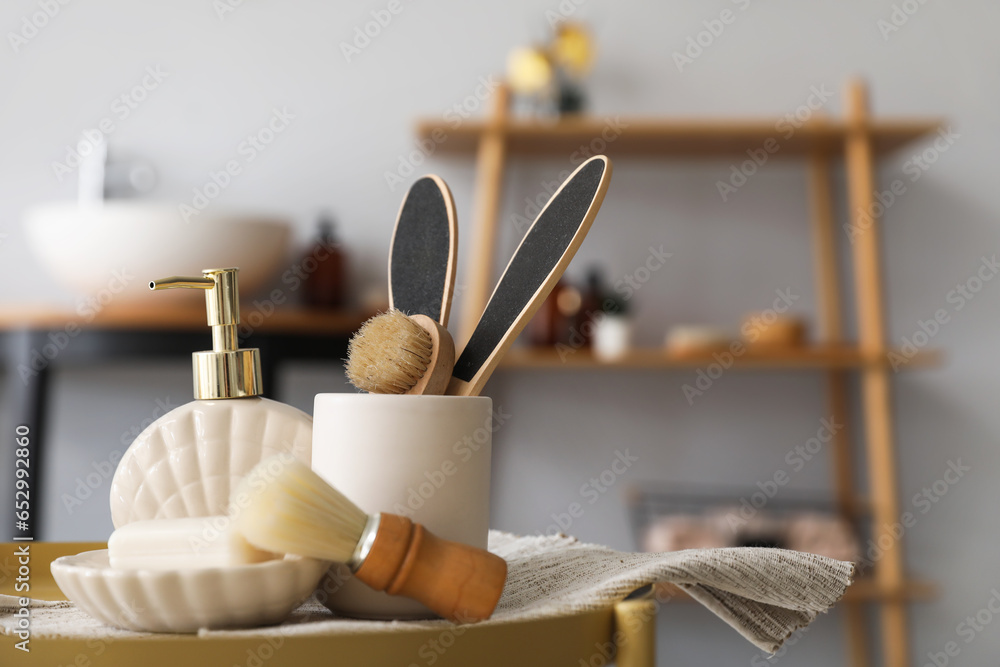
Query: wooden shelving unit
{"type": "Point", "coordinates": [676, 137]}
{"type": "Point", "coordinates": [858, 140]}
{"type": "Point", "coordinates": [805, 358]}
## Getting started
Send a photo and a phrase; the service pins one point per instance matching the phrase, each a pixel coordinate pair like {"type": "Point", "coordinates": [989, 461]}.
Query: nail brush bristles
{"type": "Point", "coordinates": [293, 510]}
{"type": "Point", "coordinates": [389, 354]}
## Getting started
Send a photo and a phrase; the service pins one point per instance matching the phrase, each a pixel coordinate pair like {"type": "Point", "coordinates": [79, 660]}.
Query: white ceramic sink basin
{"type": "Point", "coordinates": [115, 250]}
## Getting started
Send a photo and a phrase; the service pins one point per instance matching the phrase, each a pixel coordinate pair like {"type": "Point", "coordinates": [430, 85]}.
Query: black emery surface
{"type": "Point", "coordinates": [541, 249]}
{"type": "Point", "coordinates": [420, 251]}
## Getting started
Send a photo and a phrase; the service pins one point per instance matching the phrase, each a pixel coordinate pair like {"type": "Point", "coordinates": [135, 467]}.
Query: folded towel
{"type": "Point", "coordinates": [765, 594]}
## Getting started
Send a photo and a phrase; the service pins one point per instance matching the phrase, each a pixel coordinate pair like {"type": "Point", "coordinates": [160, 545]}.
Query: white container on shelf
{"type": "Point", "coordinates": [612, 337]}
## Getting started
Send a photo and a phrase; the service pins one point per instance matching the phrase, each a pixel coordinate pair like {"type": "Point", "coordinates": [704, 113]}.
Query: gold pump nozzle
{"type": "Point", "coordinates": [225, 371]}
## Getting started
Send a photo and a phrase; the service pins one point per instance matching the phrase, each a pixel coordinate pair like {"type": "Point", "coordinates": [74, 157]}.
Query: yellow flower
{"type": "Point", "coordinates": [528, 71]}
{"type": "Point", "coordinates": [573, 49]}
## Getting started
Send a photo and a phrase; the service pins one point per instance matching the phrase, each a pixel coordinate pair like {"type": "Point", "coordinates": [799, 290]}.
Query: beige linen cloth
{"type": "Point", "coordinates": [765, 594]}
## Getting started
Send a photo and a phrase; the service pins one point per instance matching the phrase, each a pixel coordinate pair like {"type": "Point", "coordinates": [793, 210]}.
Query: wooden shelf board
{"type": "Point", "coordinates": [680, 137]}
{"type": "Point", "coordinates": [182, 317]}
{"type": "Point", "coordinates": [803, 358]}
{"type": "Point", "coordinates": [862, 590]}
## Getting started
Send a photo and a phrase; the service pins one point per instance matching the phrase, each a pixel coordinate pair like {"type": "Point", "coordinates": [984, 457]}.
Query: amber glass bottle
{"type": "Point", "coordinates": [326, 285]}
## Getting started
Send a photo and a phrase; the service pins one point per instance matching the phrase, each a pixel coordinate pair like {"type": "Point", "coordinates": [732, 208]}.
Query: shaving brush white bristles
{"type": "Point", "coordinates": [394, 353]}
{"type": "Point", "coordinates": [293, 510]}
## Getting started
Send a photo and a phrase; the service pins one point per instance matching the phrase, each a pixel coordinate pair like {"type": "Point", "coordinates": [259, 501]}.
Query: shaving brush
{"type": "Point", "coordinates": [288, 508]}
{"type": "Point", "coordinates": [395, 353]}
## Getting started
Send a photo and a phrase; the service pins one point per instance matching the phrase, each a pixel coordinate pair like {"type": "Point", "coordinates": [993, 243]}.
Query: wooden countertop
{"type": "Point", "coordinates": [262, 317]}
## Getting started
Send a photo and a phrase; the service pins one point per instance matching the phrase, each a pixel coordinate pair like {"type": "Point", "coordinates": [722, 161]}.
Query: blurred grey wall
{"type": "Point", "coordinates": [225, 72]}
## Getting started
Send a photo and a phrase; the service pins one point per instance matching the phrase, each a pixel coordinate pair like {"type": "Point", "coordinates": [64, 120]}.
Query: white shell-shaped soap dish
{"type": "Point", "coordinates": [185, 465]}
{"type": "Point", "coordinates": [187, 600]}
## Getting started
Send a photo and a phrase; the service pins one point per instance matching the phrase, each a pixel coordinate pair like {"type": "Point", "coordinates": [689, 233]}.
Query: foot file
{"type": "Point", "coordinates": [422, 254]}
{"type": "Point", "coordinates": [532, 273]}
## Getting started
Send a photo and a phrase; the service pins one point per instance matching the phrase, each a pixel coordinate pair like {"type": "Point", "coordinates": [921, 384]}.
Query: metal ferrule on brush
{"type": "Point", "coordinates": [364, 545]}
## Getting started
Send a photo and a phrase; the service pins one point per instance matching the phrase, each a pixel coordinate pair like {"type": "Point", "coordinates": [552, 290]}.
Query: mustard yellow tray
{"type": "Point", "coordinates": [565, 640]}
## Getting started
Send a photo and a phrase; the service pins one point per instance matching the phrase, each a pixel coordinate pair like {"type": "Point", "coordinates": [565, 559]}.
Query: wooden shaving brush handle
{"type": "Point", "coordinates": [458, 582]}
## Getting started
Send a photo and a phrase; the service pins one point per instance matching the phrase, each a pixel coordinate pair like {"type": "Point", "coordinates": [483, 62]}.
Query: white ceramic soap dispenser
{"type": "Point", "coordinates": [187, 462]}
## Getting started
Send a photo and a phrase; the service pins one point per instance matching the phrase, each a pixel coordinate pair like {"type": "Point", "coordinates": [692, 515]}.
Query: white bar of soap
{"type": "Point", "coordinates": [175, 544]}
